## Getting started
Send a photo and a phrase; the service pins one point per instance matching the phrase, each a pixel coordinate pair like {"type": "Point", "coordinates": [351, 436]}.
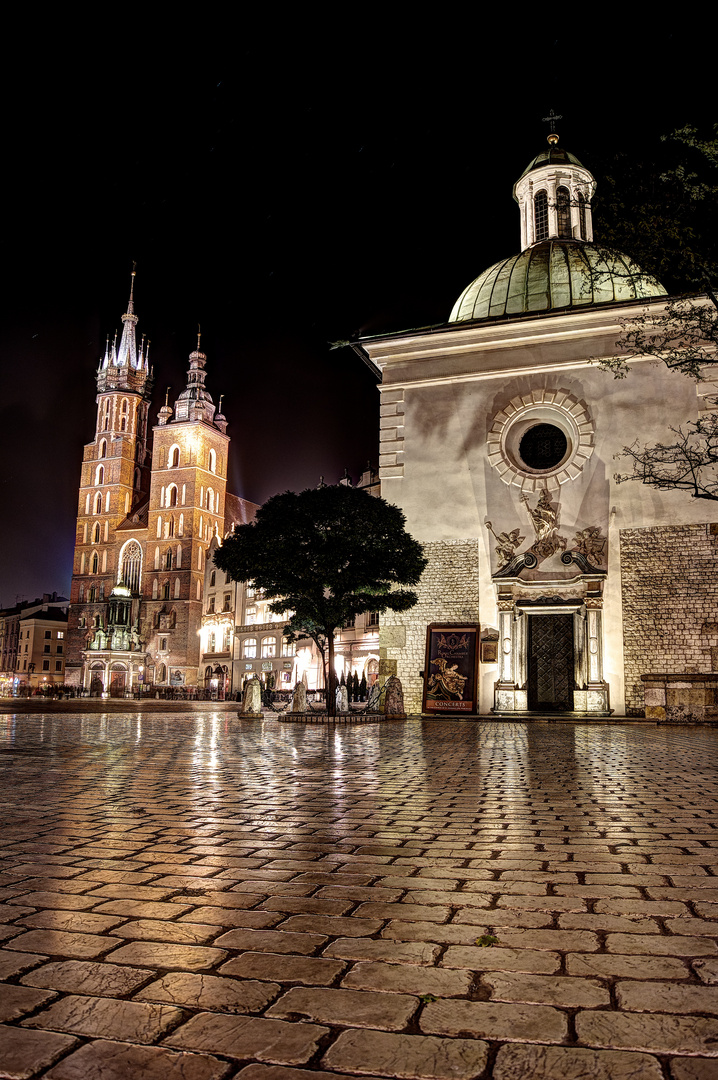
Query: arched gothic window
{"type": "Point", "coordinates": [174, 458]}
{"type": "Point", "coordinates": [172, 495]}
{"type": "Point", "coordinates": [131, 565]}
{"type": "Point", "coordinates": [103, 448]}
{"type": "Point", "coordinates": [541, 215]}
{"type": "Point", "coordinates": [95, 562]}
{"type": "Point", "coordinates": [96, 533]}
{"type": "Point", "coordinates": [563, 213]}
{"type": "Point", "coordinates": [98, 503]}
{"type": "Point", "coordinates": [212, 461]}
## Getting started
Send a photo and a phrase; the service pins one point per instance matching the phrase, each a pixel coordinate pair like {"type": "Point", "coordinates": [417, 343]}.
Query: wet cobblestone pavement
{"type": "Point", "coordinates": [203, 897]}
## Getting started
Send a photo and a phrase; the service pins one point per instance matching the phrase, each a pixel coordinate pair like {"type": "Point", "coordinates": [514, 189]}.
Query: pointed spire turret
{"type": "Point", "coordinates": [126, 366]}
{"type": "Point", "coordinates": [195, 402]}
{"type": "Point", "coordinates": [127, 356]}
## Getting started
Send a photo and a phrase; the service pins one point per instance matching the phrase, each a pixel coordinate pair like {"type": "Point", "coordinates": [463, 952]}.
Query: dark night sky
{"type": "Point", "coordinates": [285, 190]}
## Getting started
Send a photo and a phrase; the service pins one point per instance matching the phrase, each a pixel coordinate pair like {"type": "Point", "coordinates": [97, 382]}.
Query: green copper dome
{"type": "Point", "coordinates": [554, 274]}
{"type": "Point", "coordinates": [552, 155]}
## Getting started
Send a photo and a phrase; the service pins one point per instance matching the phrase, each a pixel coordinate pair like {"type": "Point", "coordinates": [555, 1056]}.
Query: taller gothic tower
{"type": "Point", "coordinates": [115, 481]}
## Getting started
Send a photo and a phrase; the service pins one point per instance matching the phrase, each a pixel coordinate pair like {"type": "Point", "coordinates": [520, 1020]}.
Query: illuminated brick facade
{"type": "Point", "coordinates": [146, 517]}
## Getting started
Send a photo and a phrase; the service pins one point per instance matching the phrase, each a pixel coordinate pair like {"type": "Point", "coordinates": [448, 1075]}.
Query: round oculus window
{"type": "Point", "coordinates": [543, 446]}
{"type": "Point", "coordinates": [541, 439]}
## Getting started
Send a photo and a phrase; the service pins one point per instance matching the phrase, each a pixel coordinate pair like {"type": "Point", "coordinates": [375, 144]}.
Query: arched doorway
{"type": "Point", "coordinates": [118, 679]}
{"type": "Point", "coordinates": [97, 684]}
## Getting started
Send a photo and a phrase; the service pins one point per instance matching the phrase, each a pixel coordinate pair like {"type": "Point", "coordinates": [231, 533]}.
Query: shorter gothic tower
{"type": "Point", "coordinates": [114, 483]}
{"type": "Point", "coordinates": [186, 510]}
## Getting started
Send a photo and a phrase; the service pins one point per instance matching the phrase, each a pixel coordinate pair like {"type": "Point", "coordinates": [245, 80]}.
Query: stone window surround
{"type": "Point", "coordinates": [557, 407]}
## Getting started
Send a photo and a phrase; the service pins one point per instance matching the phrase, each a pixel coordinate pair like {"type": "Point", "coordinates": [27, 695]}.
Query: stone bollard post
{"type": "Point", "coordinates": [394, 697]}
{"type": "Point", "coordinates": [252, 704]}
{"type": "Point", "coordinates": [299, 698]}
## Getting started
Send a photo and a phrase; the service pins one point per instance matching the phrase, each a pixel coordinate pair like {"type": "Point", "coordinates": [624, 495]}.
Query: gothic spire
{"type": "Point", "coordinates": [127, 355]}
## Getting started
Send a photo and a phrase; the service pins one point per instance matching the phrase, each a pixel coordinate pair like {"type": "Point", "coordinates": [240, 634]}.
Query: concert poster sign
{"type": "Point", "coordinates": [451, 668]}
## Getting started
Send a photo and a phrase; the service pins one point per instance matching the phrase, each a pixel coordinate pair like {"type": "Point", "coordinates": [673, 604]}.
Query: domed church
{"type": "Point", "coordinates": [550, 587]}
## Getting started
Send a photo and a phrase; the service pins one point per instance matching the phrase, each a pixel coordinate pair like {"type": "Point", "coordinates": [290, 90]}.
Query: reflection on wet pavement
{"type": "Point", "coordinates": [207, 897]}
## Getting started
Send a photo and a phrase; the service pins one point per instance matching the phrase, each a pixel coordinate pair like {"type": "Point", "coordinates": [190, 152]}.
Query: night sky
{"type": "Point", "coordinates": [286, 185]}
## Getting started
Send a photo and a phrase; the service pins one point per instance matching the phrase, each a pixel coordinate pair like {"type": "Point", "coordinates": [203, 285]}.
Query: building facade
{"type": "Point", "coordinates": [499, 434]}
{"type": "Point", "coordinates": [33, 639]}
{"type": "Point", "coordinates": [150, 504]}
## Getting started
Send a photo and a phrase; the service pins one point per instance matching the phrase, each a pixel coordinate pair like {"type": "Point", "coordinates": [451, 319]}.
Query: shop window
{"type": "Point", "coordinates": [249, 648]}
{"type": "Point", "coordinates": [269, 647]}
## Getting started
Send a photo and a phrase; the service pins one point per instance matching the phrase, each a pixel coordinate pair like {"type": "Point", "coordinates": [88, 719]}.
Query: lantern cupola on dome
{"type": "Point", "coordinates": [558, 266]}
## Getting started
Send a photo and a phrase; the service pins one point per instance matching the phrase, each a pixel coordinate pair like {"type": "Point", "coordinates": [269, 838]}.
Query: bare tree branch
{"type": "Point", "coordinates": [689, 463]}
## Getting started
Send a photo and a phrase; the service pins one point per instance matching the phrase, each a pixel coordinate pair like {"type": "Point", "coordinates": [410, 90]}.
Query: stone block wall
{"type": "Point", "coordinates": [448, 591]}
{"type": "Point", "coordinates": [670, 603]}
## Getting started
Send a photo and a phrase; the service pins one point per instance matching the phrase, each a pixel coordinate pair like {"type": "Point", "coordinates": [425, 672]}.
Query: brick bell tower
{"type": "Point", "coordinates": [115, 481]}
{"type": "Point", "coordinates": [186, 510]}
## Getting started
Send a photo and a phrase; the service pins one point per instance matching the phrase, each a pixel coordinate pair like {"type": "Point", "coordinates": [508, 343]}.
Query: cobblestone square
{"type": "Point", "coordinates": [197, 896]}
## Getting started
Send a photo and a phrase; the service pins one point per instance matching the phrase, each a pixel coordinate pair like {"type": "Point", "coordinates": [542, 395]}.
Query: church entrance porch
{"type": "Point", "coordinates": [550, 663]}
{"type": "Point", "coordinates": [551, 649]}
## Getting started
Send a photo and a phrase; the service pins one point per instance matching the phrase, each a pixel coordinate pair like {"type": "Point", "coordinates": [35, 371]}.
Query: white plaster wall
{"type": "Point", "coordinates": [448, 490]}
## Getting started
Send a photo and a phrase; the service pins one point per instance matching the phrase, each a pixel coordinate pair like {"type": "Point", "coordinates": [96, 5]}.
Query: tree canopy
{"type": "Point", "coordinates": [326, 555]}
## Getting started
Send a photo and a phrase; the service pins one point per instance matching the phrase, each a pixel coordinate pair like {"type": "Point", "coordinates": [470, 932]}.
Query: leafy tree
{"type": "Point", "coordinates": [326, 555]}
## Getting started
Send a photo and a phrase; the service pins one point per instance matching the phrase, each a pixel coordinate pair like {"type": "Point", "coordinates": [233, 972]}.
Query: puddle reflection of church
{"type": "Point", "coordinates": [498, 438]}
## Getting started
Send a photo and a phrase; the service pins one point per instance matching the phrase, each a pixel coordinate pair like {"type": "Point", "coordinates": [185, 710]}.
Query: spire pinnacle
{"type": "Point", "coordinates": [551, 121]}
{"type": "Point", "coordinates": [127, 356]}
{"type": "Point", "coordinates": [131, 301]}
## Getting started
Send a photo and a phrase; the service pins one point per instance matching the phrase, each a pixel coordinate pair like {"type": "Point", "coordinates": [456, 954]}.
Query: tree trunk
{"type": "Point", "coordinates": [331, 680]}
